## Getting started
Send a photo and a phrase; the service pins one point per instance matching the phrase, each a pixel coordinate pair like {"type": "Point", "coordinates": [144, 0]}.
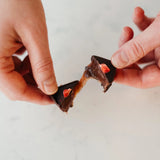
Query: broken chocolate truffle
{"type": "Point", "coordinates": [65, 95]}
{"type": "Point", "coordinates": [102, 70]}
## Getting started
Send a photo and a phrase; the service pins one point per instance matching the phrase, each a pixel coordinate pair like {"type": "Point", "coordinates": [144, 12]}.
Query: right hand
{"type": "Point", "coordinates": [143, 48]}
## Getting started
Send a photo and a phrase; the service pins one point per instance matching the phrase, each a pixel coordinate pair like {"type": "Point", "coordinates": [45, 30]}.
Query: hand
{"type": "Point", "coordinates": [143, 48]}
{"type": "Point", "coordinates": [23, 27]}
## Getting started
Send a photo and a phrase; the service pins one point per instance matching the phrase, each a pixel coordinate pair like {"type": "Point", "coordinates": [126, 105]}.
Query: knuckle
{"type": "Point", "coordinates": [136, 50]}
{"type": "Point", "coordinates": [158, 15]}
{"type": "Point", "coordinates": [158, 63]}
{"type": "Point", "coordinates": [20, 94]}
{"type": "Point", "coordinates": [12, 97]}
{"type": "Point", "coordinates": [34, 30]}
{"type": "Point", "coordinates": [141, 81]}
{"type": "Point", "coordinates": [44, 65]}
{"type": "Point", "coordinates": [157, 23]}
{"type": "Point", "coordinates": [6, 64]}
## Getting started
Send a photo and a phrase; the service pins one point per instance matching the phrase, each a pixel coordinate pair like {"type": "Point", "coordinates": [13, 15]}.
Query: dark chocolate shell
{"type": "Point", "coordinates": [63, 102]}
{"type": "Point", "coordinates": [93, 70]}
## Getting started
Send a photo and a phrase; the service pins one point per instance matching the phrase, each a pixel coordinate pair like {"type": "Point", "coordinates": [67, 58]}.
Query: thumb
{"type": "Point", "coordinates": [36, 42]}
{"type": "Point", "coordinates": [138, 47]}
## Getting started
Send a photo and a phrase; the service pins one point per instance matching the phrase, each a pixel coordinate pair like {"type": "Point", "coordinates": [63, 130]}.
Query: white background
{"type": "Point", "coordinates": [123, 124]}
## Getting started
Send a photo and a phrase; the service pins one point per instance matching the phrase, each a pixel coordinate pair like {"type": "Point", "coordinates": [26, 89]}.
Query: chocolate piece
{"type": "Point", "coordinates": [100, 69]}
{"type": "Point", "coordinates": [93, 70]}
{"type": "Point", "coordinates": [65, 95]}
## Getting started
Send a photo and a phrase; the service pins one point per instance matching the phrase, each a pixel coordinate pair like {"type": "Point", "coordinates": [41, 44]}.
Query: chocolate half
{"type": "Point", "coordinates": [93, 70]}
{"type": "Point", "coordinates": [65, 95]}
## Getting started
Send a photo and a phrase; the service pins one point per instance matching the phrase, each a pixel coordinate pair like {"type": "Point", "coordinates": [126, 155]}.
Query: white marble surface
{"type": "Point", "coordinates": [123, 124]}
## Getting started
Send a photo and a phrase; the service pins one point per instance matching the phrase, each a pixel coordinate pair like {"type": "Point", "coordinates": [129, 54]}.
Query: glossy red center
{"type": "Point", "coordinates": [66, 92]}
{"type": "Point", "coordinates": [105, 69]}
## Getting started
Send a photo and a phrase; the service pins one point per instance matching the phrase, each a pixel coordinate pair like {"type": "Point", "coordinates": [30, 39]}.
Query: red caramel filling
{"type": "Point", "coordinates": [66, 92]}
{"type": "Point", "coordinates": [105, 69]}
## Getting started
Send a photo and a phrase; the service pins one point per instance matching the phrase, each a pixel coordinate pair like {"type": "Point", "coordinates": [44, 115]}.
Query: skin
{"type": "Point", "coordinates": [33, 78]}
{"type": "Point", "coordinates": [23, 27]}
{"type": "Point", "coordinates": [142, 49]}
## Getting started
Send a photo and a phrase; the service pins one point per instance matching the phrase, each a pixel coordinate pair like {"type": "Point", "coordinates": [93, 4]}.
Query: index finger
{"type": "Point", "coordinates": [138, 47]}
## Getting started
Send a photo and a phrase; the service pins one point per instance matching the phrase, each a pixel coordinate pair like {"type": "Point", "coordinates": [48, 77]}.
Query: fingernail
{"type": "Point", "coordinates": [120, 60]}
{"type": "Point", "coordinates": [50, 86]}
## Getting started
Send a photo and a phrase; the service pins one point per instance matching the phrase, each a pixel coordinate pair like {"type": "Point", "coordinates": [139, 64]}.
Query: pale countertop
{"type": "Point", "coordinates": [123, 124]}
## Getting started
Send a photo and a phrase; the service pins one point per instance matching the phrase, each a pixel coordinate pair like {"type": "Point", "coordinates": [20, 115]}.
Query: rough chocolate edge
{"type": "Point", "coordinates": [110, 75]}
{"type": "Point", "coordinates": [94, 71]}
{"type": "Point", "coordinates": [65, 103]}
